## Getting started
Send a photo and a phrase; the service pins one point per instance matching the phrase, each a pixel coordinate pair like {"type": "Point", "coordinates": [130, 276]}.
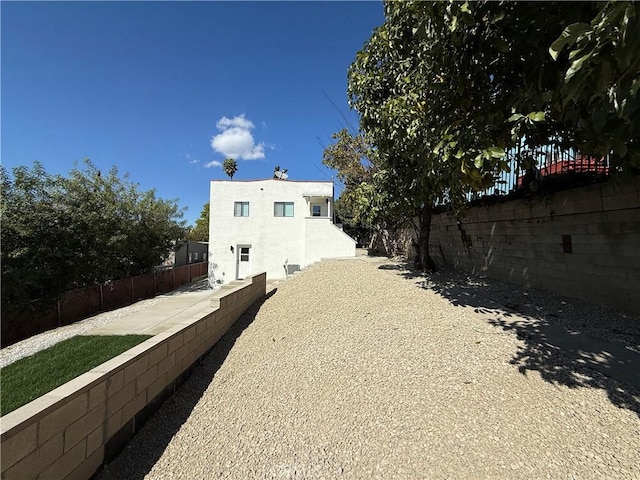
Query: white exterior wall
{"type": "Point", "coordinates": [273, 240]}
{"type": "Point", "coordinates": [325, 240]}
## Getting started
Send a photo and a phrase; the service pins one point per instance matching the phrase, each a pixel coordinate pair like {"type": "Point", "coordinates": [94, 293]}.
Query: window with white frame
{"type": "Point", "coordinates": [316, 209]}
{"type": "Point", "coordinates": [283, 209]}
{"type": "Point", "coordinates": [241, 209]}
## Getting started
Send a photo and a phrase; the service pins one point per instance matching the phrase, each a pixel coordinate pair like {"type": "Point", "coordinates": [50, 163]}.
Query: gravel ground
{"type": "Point", "coordinates": [49, 338]}
{"type": "Point", "coordinates": [359, 369]}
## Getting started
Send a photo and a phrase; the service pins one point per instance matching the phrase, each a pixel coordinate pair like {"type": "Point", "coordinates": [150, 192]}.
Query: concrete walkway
{"type": "Point", "coordinates": [172, 311]}
{"type": "Point", "coordinates": [160, 317]}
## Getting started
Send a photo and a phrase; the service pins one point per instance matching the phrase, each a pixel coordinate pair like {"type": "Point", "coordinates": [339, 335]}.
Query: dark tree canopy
{"type": "Point", "coordinates": [60, 233]}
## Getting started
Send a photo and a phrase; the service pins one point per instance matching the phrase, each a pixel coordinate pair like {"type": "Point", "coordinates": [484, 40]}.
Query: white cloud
{"type": "Point", "coordinates": [214, 163]}
{"type": "Point", "coordinates": [235, 140]}
{"type": "Point", "coordinates": [239, 122]}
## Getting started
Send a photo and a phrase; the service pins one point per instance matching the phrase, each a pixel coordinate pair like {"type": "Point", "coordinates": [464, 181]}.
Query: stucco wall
{"type": "Point", "coordinates": [527, 242]}
{"type": "Point", "coordinates": [71, 431]}
{"type": "Point", "coordinates": [273, 240]}
{"type": "Point", "coordinates": [325, 240]}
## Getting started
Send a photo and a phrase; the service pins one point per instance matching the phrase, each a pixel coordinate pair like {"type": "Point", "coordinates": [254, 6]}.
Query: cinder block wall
{"type": "Point", "coordinates": [582, 243]}
{"type": "Point", "coordinates": [71, 431]}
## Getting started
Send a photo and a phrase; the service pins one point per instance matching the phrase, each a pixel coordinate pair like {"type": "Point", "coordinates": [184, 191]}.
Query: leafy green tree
{"type": "Point", "coordinates": [598, 94]}
{"type": "Point", "coordinates": [444, 89]}
{"type": "Point", "coordinates": [431, 144]}
{"type": "Point", "coordinates": [365, 207]}
{"type": "Point", "coordinates": [120, 231]}
{"type": "Point", "coordinates": [230, 167]}
{"type": "Point", "coordinates": [351, 157]}
{"type": "Point", "coordinates": [60, 233]}
{"type": "Point", "coordinates": [200, 232]}
{"type": "Point", "coordinates": [35, 235]}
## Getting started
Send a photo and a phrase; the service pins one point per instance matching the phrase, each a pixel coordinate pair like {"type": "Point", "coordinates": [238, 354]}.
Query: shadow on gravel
{"type": "Point", "coordinates": [568, 342]}
{"type": "Point", "coordinates": [404, 268]}
{"type": "Point", "coordinates": [147, 446]}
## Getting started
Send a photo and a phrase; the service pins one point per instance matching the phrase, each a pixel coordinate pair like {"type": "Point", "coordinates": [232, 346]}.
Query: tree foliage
{"type": "Point", "coordinates": [598, 95]}
{"type": "Point", "coordinates": [352, 159]}
{"type": "Point", "coordinates": [351, 156]}
{"type": "Point", "coordinates": [60, 233]}
{"type": "Point", "coordinates": [444, 89]}
{"type": "Point", "coordinates": [366, 205]}
{"type": "Point", "coordinates": [426, 126]}
{"type": "Point", "coordinates": [230, 167]}
{"type": "Point", "coordinates": [200, 232]}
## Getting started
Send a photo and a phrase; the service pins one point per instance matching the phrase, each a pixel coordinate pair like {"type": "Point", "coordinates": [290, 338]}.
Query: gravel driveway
{"type": "Point", "coordinates": [358, 369]}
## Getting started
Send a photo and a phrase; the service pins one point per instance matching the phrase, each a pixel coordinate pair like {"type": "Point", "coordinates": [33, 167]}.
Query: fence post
{"type": "Point", "coordinates": [101, 299]}
{"type": "Point", "coordinates": [132, 298]}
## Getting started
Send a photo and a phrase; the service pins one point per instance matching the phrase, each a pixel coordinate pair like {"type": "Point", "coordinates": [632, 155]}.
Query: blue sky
{"type": "Point", "coordinates": [167, 90]}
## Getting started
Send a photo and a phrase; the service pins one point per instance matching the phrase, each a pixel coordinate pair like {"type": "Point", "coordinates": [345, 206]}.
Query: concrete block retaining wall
{"type": "Point", "coordinates": [71, 431]}
{"type": "Point", "coordinates": [583, 243]}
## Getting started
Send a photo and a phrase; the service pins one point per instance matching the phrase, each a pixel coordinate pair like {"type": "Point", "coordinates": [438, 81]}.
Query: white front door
{"type": "Point", "coordinates": [243, 261]}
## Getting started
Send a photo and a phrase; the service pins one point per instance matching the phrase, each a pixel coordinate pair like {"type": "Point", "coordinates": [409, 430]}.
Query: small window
{"type": "Point", "coordinates": [316, 210]}
{"type": "Point", "coordinates": [241, 209]}
{"type": "Point", "coordinates": [283, 209]}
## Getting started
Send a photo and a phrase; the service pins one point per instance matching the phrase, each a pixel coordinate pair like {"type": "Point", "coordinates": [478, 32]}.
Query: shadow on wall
{"type": "Point", "coordinates": [146, 448]}
{"type": "Point", "coordinates": [569, 343]}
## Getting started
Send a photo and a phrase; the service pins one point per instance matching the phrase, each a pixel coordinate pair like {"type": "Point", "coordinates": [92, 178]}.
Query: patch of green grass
{"type": "Point", "coordinates": [31, 377]}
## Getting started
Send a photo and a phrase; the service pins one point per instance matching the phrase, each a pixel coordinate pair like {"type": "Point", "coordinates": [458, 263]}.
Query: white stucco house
{"type": "Point", "coordinates": [274, 226]}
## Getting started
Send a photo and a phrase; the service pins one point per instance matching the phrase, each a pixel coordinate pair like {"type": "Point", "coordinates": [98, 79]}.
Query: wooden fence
{"type": "Point", "coordinates": [82, 303]}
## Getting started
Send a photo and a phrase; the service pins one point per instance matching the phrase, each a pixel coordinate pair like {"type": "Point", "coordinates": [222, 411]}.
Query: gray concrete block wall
{"type": "Point", "coordinates": [521, 242]}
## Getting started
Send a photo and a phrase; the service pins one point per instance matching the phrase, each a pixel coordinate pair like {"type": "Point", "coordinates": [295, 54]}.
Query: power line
{"type": "Point", "coordinates": [346, 120]}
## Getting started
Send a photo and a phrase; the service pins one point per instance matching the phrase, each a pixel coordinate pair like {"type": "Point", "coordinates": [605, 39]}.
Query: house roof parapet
{"type": "Point", "coordinates": [273, 180]}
